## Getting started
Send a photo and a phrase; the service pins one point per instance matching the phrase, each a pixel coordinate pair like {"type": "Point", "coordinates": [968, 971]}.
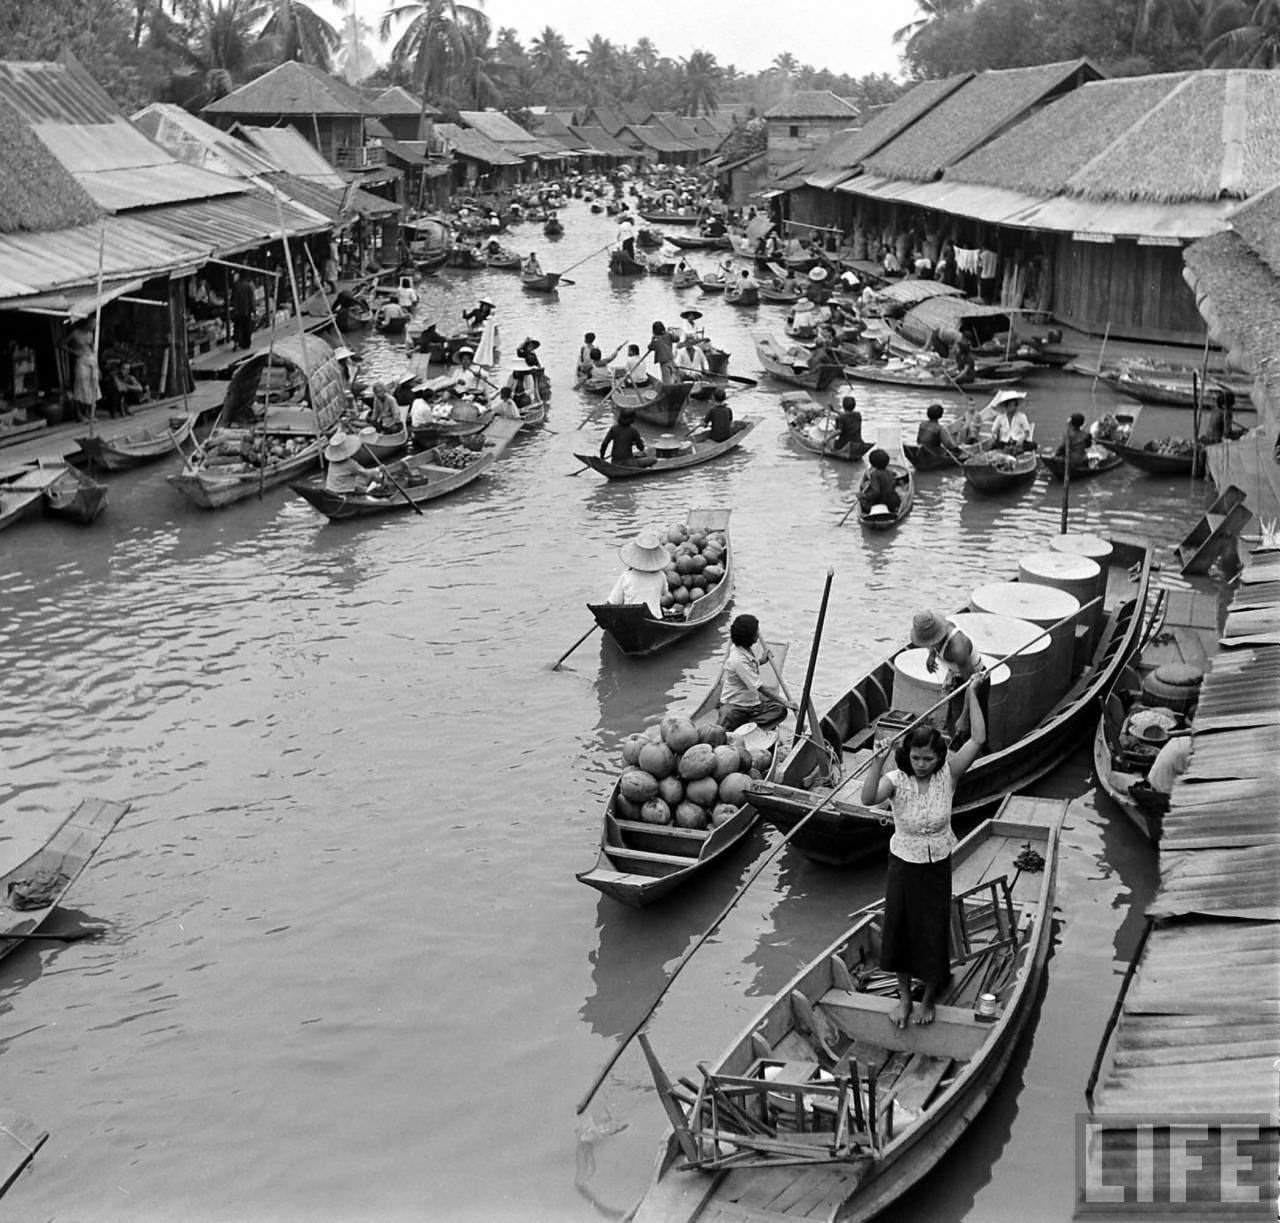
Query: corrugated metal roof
{"type": "Point", "coordinates": [226, 227]}
{"type": "Point", "coordinates": [328, 201]}
{"type": "Point", "coordinates": [289, 150]}
{"type": "Point", "coordinates": [48, 90]}
{"type": "Point", "coordinates": [146, 186]}
{"type": "Point", "coordinates": [197, 143]}
{"type": "Point", "coordinates": [74, 303]}
{"type": "Point", "coordinates": [467, 142]}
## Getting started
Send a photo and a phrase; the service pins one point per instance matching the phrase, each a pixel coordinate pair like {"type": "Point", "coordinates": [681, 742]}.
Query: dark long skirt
{"type": "Point", "coordinates": [917, 920]}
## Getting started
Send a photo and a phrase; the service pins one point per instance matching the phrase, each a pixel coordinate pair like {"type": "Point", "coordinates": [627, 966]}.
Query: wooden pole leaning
{"type": "Point", "coordinates": [821, 805]}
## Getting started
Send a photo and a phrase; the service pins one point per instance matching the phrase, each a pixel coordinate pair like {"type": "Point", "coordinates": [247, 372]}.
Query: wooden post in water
{"type": "Point", "coordinates": [1066, 484]}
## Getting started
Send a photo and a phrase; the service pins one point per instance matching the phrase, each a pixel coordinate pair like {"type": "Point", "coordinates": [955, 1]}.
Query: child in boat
{"type": "Point", "coordinates": [743, 698]}
{"type": "Point", "coordinates": [848, 426]}
{"type": "Point", "coordinates": [915, 939]}
{"type": "Point", "coordinates": [879, 485]}
{"type": "Point", "coordinates": [934, 438]}
{"type": "Point", "coordinates": [1074, 446]}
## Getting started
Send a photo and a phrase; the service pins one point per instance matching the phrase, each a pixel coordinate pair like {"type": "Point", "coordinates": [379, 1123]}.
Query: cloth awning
{"type": "Point", "coordinates": [74, 304]}
{"type": "Point", "coordinates": [1065, 214]}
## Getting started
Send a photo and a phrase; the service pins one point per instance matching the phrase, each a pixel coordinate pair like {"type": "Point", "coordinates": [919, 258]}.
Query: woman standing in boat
{"type": "Point", "coordinates": [915, 944]}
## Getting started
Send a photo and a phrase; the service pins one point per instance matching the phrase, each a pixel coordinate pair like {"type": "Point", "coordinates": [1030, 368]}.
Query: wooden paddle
{"type": "Point", "coordinates": [813, 650]}
{"type": "Point", "coordinates": [590, 417]}
{"type": "Point", "coordinates": [705, 375]}
{"type": "Point", "coordinates": [777, 849]}
{"type": "Point", "coordinates": [854, 506]}
{"type": "Point", "coordinates": [555, 666]}
{"type": "Point", "coordinates": [583, 260]}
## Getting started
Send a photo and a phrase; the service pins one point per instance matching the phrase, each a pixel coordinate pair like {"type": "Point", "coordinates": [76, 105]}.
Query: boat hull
{"type": "Point", "coordinates": [134, 450]}
{"type": "Point", "coordinates": [702, 452]}
{"type": "Point", "coordinates": [213, 488]}
{"type": "Point", "coordinates": [991, 481]}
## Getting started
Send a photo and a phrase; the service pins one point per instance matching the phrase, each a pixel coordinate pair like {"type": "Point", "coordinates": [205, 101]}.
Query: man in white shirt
{"type": "Point", "coordinates": [1011, 430]}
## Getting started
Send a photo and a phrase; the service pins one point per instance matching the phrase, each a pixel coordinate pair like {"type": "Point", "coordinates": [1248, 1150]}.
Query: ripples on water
{"type": "Point", "coordinates": [349, 974]}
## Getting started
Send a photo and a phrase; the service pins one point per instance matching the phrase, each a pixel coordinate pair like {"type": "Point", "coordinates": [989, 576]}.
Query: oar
{"type": "Point", "coordinates": [590, 417]}
{"type": "Point", "coordinates": [777, 849]}
{"type": "Point", "coordinates": [564, 280]}
{"type": "Point", "coordinates": [813, 651]}
{"type": "Point", "coordinates": [382, 467]}
{"type": "Point", "coordinates": [849, 511]}
{"type": "Point", "coordinates": [707, 375]}
{"type": "Point", "coordinates": [555, 666]}
{"type": "Point", "coordinates": [73, 937]}
{"type": "Point", "coordinates": [583, 260]}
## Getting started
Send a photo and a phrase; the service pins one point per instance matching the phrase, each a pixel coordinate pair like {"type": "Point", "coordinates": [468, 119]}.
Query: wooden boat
{"type": "Point", "coordinates": [1095, 466]}
{"type": "Point", "coordinates": [847, 830]}
{"type": "Point", "coordinates": [378, 447]}
{"type": "Point", "coordinates": [692, 453]}
{"type": "Point", "coordinates": [801, 417]}
{"type": "Point", "coordinates": [905, 483]}
{"type": "Point", "coordinates": [75, 497]}
{"type": "Point", "coordinates": [1167, 385]}
{"type": "Point", "coordinates": [685, 278]}
{"type": "Point", "coordinates": [467, 258]}
{"type": "Point", "coordinates": [699, 242]}
{"type": "Point", "coordinates": [670, 218]}
{"type": "Point", "coordinates": [446, 430]}
{"type": "Point", "coordinates": [393, 325]}
{"type": "Point", "coordinates": [1161, 463]}
{"type": "Point", "coordinates": [634, 630]}
{"type": "Point", "coordinates": [283, 439]}
{"type": "Point", "coordinates": [822, 1108]}
{"type": "Point", "coordinates": [713, 282]}
{"type": "Point", "coordinates": [134, 449]}
{"type": "Point", "coordinates": [553, 228]}
{"type": "Point", "coordinates": [425, 476]}
{"type": "Point", "coordinates": [353, 317]}
{"type": "Point", "coordinates": [925, 460]}
{"type": "Point", "coordinates": [648, 239]}
{"type": "Point", "coordinates": [61, 860]}
{"type": "Point", "coordinates": [909, 374]}
{"type": "Point", "coordinates": [742, 295]}
{"type": "Point", "coordinates": [428, 263]}
{"type": "Point", "coordinates": [20, 1142]}
{"type": "Point", "coordinates": [641, 863]}
{"type": "Point", "coordinates": [662, 266]}
{"type": "Point", "coordinates": [655, 403]}
{"type": "Point", "coordinates": [504, 261]}
{"type": "Point", "coordinates": [22, 491]}
{"type": "Point", "coordinates": [1053, 356]}
{"type": "Point", "coordinates": [779, 297]}
{"type": "Point", "coordinates": [546, 283]}
{"type": "Point", "coordinates": [776, 361]}
{"type": "Point", "coordinates": [622, 264]}
{"type": "Point", "coordinates": [993, 472]}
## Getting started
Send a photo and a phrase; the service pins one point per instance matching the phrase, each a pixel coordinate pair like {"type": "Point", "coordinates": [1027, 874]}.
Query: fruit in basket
{"type": "Point", "coordinates": [655, 811]}
{"type": "Point", "coordinates": [727, 761]}
{"type": "Point", "coordinates": [733, 789]}
{"type": "Point", "coordinates": [631, 746]}
{"type": "Point", "coordinates": [658, 760]}
{"type": "Point", "coordinates": [678, 733]}
{"type": "Point", "coordinates": [704, 791]}
{"type": "Point", "coordinates": [713, 733]}
{"type": "Point", "coordinates": [690, 815]}
{"type": "Point", "coordinates": [698, 761]}
{"type": "Point", "coordinates": [761, 760]}
{"type": "Point", "coordinates": [721, 813]}
{"type": "Point", "coordinates": [638, 786]}
{"type": "Point", "coordinates": [671, 791]}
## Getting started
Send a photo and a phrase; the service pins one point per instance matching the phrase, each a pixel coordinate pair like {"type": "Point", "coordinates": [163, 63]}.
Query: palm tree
{"type": "Point", "coordinates": [645, 54]}
{"type": "Point", "coordinates": [700, 77]}
{"type": "Point", "coordinates": [434, 43]}
{"type": "Point", "coordinates": [784, 63]}
{"type": "Point", "coordinates": [355, 60]}
{"type": "Point", "coordinates": [1242, 35]}
{"type": "Point", "coordinates": [552, 62]}
{"type": "Point", "coordinates": [301, 33]}
{"type": "Point", "coordinates": [599, 62]}
{"type": "Point", "coordinates": [216, 36]}
{"type": "Point", "coordinates": [476, 79]}
{"type": "Point", "coordinates": [932, 13]}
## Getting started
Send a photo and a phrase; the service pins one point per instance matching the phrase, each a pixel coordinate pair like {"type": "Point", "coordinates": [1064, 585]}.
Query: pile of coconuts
{"type": "Point", "coordinates": [691, 776]}
{"type": "Point", "coordinates": [697, 567]}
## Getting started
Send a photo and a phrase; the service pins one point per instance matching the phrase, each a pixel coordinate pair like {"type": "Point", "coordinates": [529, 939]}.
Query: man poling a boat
{"type": "Point", "coordinates": [743, 698]}
{"type": "Point", "coordinates": [915, 939]}
{"type": "Point", "coordinates": [643, 579]}
{"type": "Point", "coordinates": [343, 474]}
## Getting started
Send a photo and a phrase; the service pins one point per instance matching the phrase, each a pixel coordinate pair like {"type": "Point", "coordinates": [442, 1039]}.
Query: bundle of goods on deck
{"type": "Point", "coordinates": [696, 568]}
{"type": "Point", "coordinates": [251, 448]}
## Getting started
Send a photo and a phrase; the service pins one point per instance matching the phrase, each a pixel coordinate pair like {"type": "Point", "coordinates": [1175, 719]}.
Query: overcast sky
{"type": "Point", "coordinates": [852, 36]}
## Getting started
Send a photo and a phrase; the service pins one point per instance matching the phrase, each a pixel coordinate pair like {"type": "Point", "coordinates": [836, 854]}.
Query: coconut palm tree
{"type": "Point", "coordinates": [479, 77]}
{"type": "Point", "coordinates": [931, 12]}
{"type": "Point", "coordinates": [301, 33]}
{"type": "Point", "coordinates": [645, 54]}
{"type": "Point", "coordinates": [784, 64]}
{"type": "Point", "coordinates": [700, 77]}
{"type": "Point", "coordinates": [433, 45]}
{"type": "Point", "coordinates": [600, 63]}
{"type": "Point", "coordinates": [216, 37]}
{"type": "Point", "coordinates": [1243, 35]}
{"type": "Point", "coordinates": [355, 59]}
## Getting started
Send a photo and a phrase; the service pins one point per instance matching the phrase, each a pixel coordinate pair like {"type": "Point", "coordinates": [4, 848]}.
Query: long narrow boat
{"type": "Point", "coordinates": [622, 264]}
{"type": "Point", "coordinates": [635, 631]}
{"type": "Point", "coordinates": [670, 218]}
{"type": "Point", "coordinates": [776, 361]}
{"type": "Point", "coordinates": [905, 484]}
{"type": "Point", "coordinates": [655, 403]}
{"type": "Point", "coordinates": [129, 450]}
{"type": "Point", "coordinates": [434, 432]}
{"type": "Point", "coordinates": [75, 497]}
{"type": "Point", "coordinates": [425, 476]}
{"type": "Point", "coordinates": [822, 1108]}
{"type": "Point", "coordinates": [922, 378]}
{"type": "Point", "coordinates": [925, 460]}
{"type": "Point", "coordinates": [684, 277]}
{"type": "Point", "coordinates": [544, 283]}
{"type": "Point", "coordinates": [639, 863]}
{"type": "Point", "coordinates": [994, 472]}
{"type": "Point", "coordinates": [742, 295]}
{"type": "Point", "coordinates": [47, 874]}
{"type": "Point", "coordinates": [1170, 386]}
{"type": "Point", "coordinates": [698, 452]}
{"type": "Point", "coordinates": [1055, 464]}
{"type": "Point", "coordinates": [378, 447]}
{"type": "Point", "coordinates": [798, 432]}
{"type": "Point", "coordinates": [22, 489]}
{"type": "Point", "coordinates": [847, 830]}
{"type": "Point", "coordinates": [1161, 462]}
{"type": "Point", "coordinates": [699, 242]}
{"type": "Point", "coordinates": [264, 443]}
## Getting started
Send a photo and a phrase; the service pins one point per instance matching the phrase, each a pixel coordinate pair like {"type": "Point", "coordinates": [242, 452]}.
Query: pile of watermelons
{"type": "Point", "coordinates": [685, 774]}
{"type": "Point", "coordinates": [698, 561]}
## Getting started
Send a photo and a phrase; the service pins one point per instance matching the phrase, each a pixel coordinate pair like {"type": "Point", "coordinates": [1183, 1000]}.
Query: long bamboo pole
{"type": "Point", "coordinates": [97, 321]}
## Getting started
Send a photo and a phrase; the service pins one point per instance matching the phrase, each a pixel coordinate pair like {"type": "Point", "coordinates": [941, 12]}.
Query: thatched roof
{"type": "Point", "coordinates": [652, 136]}
{"type": "Point", "coordinates": [291, 88]}
{"type": "Point", "coordinates": [968, 117]}
{"type": "Point", "coordinates": [812, 104]}
{"type": "Point", "coordinates": [605, 117]}
{"type": "Point", "coordinates": [1211, 137]}
{"type": "Point", "coordinates": [396, 100]}
{"type": "Point", "coordinates": [1257, 224]}
{"type": "Point", "coordinates": [602, 141]}
{"type": "Point", "coordinates": [37, 192]}
{"type": "Point", "coordinates": [476, 146]}
{"type": "Point", "coordinates": [1039, 155]}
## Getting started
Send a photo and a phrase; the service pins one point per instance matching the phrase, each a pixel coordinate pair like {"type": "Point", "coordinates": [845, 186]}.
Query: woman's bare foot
{"type": "Point", "coordinates": [926, 1015]}
{"type": "Point", "coordinates": [902, 1015]}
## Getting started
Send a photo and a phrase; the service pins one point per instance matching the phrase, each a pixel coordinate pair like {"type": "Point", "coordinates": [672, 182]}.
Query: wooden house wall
{"type": "Point", "coordinates": [1135, 291]}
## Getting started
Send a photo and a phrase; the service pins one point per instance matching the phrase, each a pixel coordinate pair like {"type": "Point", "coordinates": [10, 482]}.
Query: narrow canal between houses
{"type": "Point", "coordinates": [349, 974]}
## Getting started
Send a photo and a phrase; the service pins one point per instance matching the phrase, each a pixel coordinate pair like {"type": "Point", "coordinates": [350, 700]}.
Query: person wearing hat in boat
{"type": "Point", "coordinates": [879, 486]}
{"type": "Point", "coordinates": [466, 375]}
{"type": "Point", "coordinates": [643, 579]}
{"type": "Point", "coordinates": [343, 474]}
{"type": "Point", "coordinates": [848, 426]}
{"type": "Point", "coordinates": [691, 330]}
{"type": "Point", "coordinates": [384, 412]}
{"type": "Point", "coordinates": [949, 648]}
{"type": "Point", "coordinates": [915, 931]}
{"type": "Point", "coordinates": [743, 698]}
{"type": "Point", "coordinates": [1011, 430]}
{"type": "Point", "coordinates": [934, 438]}
{"type": "Point", "coordinates": [691, 361]}
{"type": "Point", "coordinates": [476, 316]}
{"type": "Point", "coordinates": [1074, 446]}
{"type": "Point", "coordinates": [625, 444]}
{"type": "Point", "coordinates": [528, 352]}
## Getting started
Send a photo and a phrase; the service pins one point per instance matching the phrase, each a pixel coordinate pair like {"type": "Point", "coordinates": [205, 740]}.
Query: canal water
{"type": "Point", "coordinates": [348, 973]}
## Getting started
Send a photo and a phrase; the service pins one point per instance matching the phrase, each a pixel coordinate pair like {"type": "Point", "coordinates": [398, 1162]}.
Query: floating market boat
{"type": "Point", "coordinates": [1098, 461]}
{"type": "Point", "coordinates": [544, 282]}
{"type": "Point", "coordinates": [425, 476]}
{"type": "Point", "coordinates": [655, 403]}
{"type": "Point", "coordinates": [670, 218]}
{"type": "Point", "coordinates": [929, 378]}
{"type": "Point", "coordinates": [992, 471]}
{"type": "Point", "coordinates": [685, 277]}
{"type": "Point", "coordinates": [737, 294]}
{"type": "Point", "coordinates": [446, 429]}
{"type": "Point", "coordinates": [699, 242]}
{"type": "Point", "coordinates": [1187, 460]}
{"type": "Point", "coordinates": [278, 410]}
{"type": "Point", "coordinates": [43, 879]}
{"type": "Point", "coordinates": [52, 486]}
{"type": "Point", "coordinates": [378, 447]}
{"type": "Point", "coordinates": [927, 460]}
{"type": "Point", "coordinates": [1173, 386]}
{"type": "Point", "coordinates": [823, 1108]}
{"type": "Point", "coordinates": [622, 264]}
{"type": "Point", "coordinates": [75, 497]}
{"type": "Point", "coordinates": [639, 863]}
{"type": "Point", "coordinates": [635, 630]}
{"type": "Point", "coordinates": [128, 450]}
{"type": "Point", "coordinates": [779, 362]}
{"type": "Point", "coordinates": [811, 428]}
{"type": "Point", "coordinates": [673, 456]}
{"type": "Point", "coordinates": [880, 517]}
{"type": "Point", "coordinates": [22, 489]}
{"type": "Point", "coordinates": [847, 830]}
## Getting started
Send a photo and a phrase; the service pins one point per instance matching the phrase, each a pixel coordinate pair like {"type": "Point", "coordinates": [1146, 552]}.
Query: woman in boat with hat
{"type": "Point", "coordinates": [643, 579]}
{"type": "Point", "coordinates": [343, 474]}
{"type": "Point", "coordinates": [915, 938]}
{"type": "Point", "coordinates": [476, 316]}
